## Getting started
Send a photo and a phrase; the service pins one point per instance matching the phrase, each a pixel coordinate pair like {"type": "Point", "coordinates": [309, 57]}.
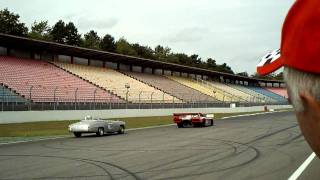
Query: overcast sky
{"type": "Point", "coordinates": [237, 32]}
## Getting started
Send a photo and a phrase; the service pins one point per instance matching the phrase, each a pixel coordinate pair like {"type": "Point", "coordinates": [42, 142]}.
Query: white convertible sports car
{"type": "Point", "coordinates": [98, 126]}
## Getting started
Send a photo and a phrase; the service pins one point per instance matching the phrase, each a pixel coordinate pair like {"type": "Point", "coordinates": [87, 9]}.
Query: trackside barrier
{"type": "Point", "coordinates": [34, 116]}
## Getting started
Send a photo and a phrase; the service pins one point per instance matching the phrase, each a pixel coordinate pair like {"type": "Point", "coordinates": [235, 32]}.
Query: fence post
{"type": "Point", "coordinates": [30, 96]}
{"type": "Point", "coordinates": [151, 98]}
{"type": "Point", "coordinates": [94, 99]}
{"type": "Point", "coordinates": [173, 101]}
{"type": "Point", "coordinates": [2, 98]}
{"type": "Point", "coordinates": [140, 99]}
{"type": "Point", "coordinates": [163, 99]}
{"type": "Point", "coordinates": [75, 99]}
{"type": "Point", "coordinates": [54, 98]}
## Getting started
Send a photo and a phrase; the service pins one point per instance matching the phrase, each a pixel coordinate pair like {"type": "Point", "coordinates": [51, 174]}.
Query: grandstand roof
{"type": "Point", "coordinates": [62, 49]}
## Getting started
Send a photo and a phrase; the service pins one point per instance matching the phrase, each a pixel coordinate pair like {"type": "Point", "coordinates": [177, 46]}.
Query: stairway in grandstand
{"type": "Point", "coordinates": [9, 96]}
{"type": "Point", "coordinates": [169, 86]}
{"type": "Point", "coordinates": [43, 82]}
{"type": "Point", "coordinates": [116, 82]}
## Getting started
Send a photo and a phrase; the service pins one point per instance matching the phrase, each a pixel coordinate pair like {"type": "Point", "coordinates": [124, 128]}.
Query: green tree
{"type": "Point", "coordinates": [279, 76]}
{"type": "Point", "coordinates": [123, 47]}
{"type": "Point", "coordinates": [58, 32]}
{"type": "Point", "coordinates": [91, 40]}
{"type": "Point", "coordinates": [65, 33]}
{"type": "Point", "coordinates": [225, 68]}
{"type": "Point", "coordinates": [245, 74]}
{"type": "Point", "coordinates": [108, 43]}
{"type": "Point", "coordinates": [161, 53]}
{"type": "Point", "coordinates": [72, 36]}
{"type": "Point", "coordinates": [40, 30]}
{"type": "Point", "coordinates": [143, 51]}
{"type": "Point", "coordinates": [196, 60]}
{"type": "Point", "coordinates": [211, 64]}
{"type": "Point", "coordinates": [183, 59]}
{"type": "Point", "coordinates": [10, 24]}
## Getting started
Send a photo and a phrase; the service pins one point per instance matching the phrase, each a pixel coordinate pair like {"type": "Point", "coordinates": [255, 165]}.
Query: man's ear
{"type": "Point", "coordinates": [309, 102]}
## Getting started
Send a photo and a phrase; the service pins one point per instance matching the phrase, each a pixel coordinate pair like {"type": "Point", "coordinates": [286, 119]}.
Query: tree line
{"type": "Point", "coordinates": [67, 33]}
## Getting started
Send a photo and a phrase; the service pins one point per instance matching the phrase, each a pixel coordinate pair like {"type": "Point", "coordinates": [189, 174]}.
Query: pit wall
{"type": "Point", "coordinates": [36, 116]}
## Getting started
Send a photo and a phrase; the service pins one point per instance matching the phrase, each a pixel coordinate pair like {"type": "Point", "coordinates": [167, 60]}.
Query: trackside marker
{"type": "Point", "coordinates": [303, 166]}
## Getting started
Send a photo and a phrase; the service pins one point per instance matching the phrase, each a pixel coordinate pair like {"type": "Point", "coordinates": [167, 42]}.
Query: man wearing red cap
{"type": "Point", "coordinates": [300, 57]}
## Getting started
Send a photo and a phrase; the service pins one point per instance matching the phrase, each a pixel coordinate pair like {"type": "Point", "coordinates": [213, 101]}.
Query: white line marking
{"type": "Point", "coordinates": [254, 114]}
{"type": "Point", "coordinates": [31, 140]}
{"type": "Point", "coordinates": [303, 166]}
{"type": "Point", "coordinates": [150, 127]}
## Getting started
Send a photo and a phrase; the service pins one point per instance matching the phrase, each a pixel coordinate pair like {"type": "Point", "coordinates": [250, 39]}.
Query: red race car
{"type": "Point", "coordinates": [193, 119]}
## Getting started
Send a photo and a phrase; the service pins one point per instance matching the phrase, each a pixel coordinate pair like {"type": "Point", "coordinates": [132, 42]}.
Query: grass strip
{"type": "Point", "coordinates": [55, 128]}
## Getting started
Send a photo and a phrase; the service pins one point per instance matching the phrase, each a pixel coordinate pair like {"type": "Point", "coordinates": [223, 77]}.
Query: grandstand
{"type": "Point", "coordinates": [124, 86]}
{"type": "Point", "coordinates": [40, 81]}
{"type": "Point", "coordinates": [34, 72]}
{"type": "Point", "coordinates": [169, 86]}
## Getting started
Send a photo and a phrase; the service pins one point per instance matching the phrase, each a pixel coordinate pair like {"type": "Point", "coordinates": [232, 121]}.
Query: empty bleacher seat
{"type": "Point", "coordinates": [172, 87]}
{"type": "Point", "coordinates": [120, 84]}
{"type": "Point", "coordinates": [43, 82]}
{"type": "Point", "coordinates": [268, 93]}
{"type": "Point", "coordinates": [280, 91]}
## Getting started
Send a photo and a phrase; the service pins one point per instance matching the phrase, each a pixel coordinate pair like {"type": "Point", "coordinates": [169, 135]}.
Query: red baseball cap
{"type": "Point", "coordinates": [300, 42]}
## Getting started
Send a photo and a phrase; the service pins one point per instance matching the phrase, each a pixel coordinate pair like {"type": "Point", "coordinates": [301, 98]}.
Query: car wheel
{"type": "Point", "coordinates": [212, 123]}
{"type": "Point", "coordinates": [77, 134]}
{"type": "Point", "coordinates": [180, 125]}
{"type": "Point", "coordinates": [185, 124]}
{"type": "Point", "coordinates": [204, 123]}
{"type": "Point", "coordinates": [121, 130]}
{"type": "Point", "coordinates": [100, 132]}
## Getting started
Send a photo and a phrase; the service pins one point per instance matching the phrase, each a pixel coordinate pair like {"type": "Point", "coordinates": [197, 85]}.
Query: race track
{"type": "Point", "coordinates": [255, 147]}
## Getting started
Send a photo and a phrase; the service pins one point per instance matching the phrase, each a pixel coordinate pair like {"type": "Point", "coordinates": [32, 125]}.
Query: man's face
{"type": "Point", "coordinates": [309, 121]}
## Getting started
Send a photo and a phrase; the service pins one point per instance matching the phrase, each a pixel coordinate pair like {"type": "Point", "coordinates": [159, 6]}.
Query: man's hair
{"type": "Point", "coordinates": [298, 81]}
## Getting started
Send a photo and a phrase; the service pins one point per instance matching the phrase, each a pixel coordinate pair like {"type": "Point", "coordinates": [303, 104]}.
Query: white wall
{"type": "Point", "coordinates": [33, 116]}
{"type": "Point", "coordinates": [111, 65]}
{"type": "Point", "coordinates": [3, 51]}
{"type": "Point", "coordinates": [64, 58]}
{"type": "Point", "coordinates": [96, 63]}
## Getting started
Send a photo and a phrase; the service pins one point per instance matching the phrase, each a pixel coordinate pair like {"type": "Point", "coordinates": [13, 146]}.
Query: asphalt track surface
{"type": "Point", "coordinates": [266, 146]}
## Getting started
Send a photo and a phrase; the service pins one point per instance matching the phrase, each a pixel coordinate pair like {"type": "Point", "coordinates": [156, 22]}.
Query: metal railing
{"type": "Point", "coordinates": [78, 99]}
